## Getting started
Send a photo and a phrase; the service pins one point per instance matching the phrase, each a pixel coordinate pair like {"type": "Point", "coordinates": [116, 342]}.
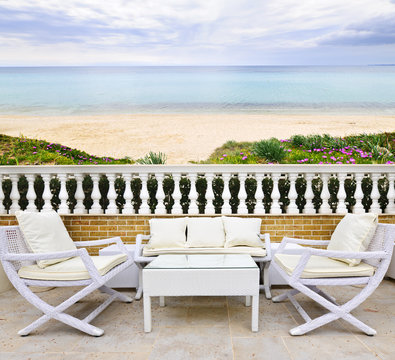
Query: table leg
{"type": "Point", "coordinates": [248, 300]}
{"type": "Point", "coordinates": [161, 301]}
{"type": "Point", "coordinates": [255, 313]}
{"type": "Point", "coordinates": [147, 313]}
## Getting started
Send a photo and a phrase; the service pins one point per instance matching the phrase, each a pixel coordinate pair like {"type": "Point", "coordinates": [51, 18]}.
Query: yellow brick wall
{"type": "Point", "coordinates": [93, 227]}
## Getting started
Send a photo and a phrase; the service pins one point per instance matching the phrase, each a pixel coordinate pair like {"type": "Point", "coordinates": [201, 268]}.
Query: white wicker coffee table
{"type": "Point", "coordinates": [201, 275]}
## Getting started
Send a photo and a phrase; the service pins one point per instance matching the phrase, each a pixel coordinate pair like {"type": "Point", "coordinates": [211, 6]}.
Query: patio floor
{"type": "Point", "coordinates": [198, 328]}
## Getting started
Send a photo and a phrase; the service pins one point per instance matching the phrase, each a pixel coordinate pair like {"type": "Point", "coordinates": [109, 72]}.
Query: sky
{"type": "Point", "coordinates": [196, 32]}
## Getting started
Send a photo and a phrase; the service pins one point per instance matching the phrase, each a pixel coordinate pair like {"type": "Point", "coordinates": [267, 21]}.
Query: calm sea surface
{"type": "Point", "coordinates": [253, 89]}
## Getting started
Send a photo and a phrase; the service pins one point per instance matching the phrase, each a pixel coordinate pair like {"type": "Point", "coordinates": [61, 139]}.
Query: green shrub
{"type": "Point", "coordinates": [271, 150]}
{"type": "Point", "coordinates": [153, 158]}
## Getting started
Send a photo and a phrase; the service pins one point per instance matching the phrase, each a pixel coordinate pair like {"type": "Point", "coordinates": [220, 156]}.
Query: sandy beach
{"type": "Point", "coordinates": [183, 137]}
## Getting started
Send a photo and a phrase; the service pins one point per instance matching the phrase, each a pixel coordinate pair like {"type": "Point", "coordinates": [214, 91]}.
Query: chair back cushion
{"type": "Point", "coordinates": [44, 232]}
{"type": "Point", "coordinates": [242, 231]}
{"type": "Point", "coordinates": [167, 233]}
{"type": "Point", "coordinates": [205, 232]}
{"type": "Point", "coordinates": [353, 234]}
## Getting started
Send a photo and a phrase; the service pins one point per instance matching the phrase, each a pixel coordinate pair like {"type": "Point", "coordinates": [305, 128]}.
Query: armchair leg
{"type": "Point", "coordinates": [266, 281]}
{"type": "Point", "coordinates": [139, 292]}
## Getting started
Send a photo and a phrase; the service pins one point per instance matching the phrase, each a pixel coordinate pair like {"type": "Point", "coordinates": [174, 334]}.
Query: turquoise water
{"type": "Point", "coordinates": [254, 89]}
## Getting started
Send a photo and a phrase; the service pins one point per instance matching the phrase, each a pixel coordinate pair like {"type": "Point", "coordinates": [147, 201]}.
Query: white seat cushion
{"type": "Point", "coordinates": [258, 252]}
{"type": "Point", "coordinates": [353, 234]}
{"type": "Point", "coordinates": [167, 233]}
{"type": "Point", "coordinates": [72, 269]}
{"type": "Point", "coordinates": [322, 267]}
{"type": "Point", "coordinates": [242, 231]}
{"type": "Point", "coordinates": [205, 232]}
{"type": "Point", "coordinates": [44, 232]}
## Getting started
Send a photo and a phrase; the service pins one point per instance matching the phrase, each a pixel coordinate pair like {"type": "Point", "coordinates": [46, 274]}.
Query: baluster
{"type": "Point", "coordinates": [96, 196]}
{"type": "Point", "coordinates": [127, 195]}
{"type": "Point", "coordinates": [293, 195]}
{"type": "Point", "coordinates": [160, 195]}
{"type": "Point", "coordinates": [144, 195]}
{"type": "Point", "coordinates": [390, 209]}
{"type": "Point", "coordinates": [177, 209]}
{"type": "Point", "coordinates": [63, 195]}
{"type": "Point", "coordinates": [14, 195]}
{"type": "Point", "coordinates": [341, 195]}
{"type": "Point", "coordinates": [375, 195]}
{"type": "Point", "coordinates": [275, 207]}
{"type": "Point", "coordinates": [31, 194]}
{"type": "Point", "coordinates": [226, 195]}
{"type": "Point", "coordinates": [79, 195]}
{"type": "Point", "coordinates": [193, 195]}
{"type": "Point", "coordinates": [358, 195]}
{"type": "Point", "coordinates": [325, 195]}
{"type": "Point", "coordinates": [242, 208]}
{"type": "Point", "coordinates": [2, 208]}
{"type": "Point", "coordinates": [209, 194]}
{"type": "Point", "coordinates": [111, 195]}
{"type": "Point", "coordinates": [47, 196]}
{"type": "Point", "coordinates": [259, 195]}
{"type": "Point", "coordinates": [309, 195]}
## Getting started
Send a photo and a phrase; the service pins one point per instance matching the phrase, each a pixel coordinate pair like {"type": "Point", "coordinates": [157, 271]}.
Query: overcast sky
{"type": "Point", "coordinates": [196, 32]}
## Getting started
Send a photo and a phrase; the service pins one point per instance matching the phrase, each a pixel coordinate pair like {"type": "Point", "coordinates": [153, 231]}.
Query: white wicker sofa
{"type": "Point", "coordinates": [202, 235]}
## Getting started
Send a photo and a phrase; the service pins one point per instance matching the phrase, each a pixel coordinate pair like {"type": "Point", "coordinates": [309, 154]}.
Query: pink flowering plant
{"type": "Point", "coordinates": [312, 149]}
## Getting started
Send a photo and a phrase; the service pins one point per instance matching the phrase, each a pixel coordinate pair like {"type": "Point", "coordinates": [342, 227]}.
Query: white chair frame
{"type": "Point", "coordinates": [14, 254]}
{"type": "Point", "coordinates": [263, 263]}
{"type": "Point", "coordinates": [378, 254]}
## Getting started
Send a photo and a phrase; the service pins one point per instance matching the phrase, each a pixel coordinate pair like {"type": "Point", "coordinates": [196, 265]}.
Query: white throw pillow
{"type": "Point", "coordinates": [242, 231]}
{"type": "Point", "coordinates": [205, 232]}
{"type": "Point", "coordinates": [45, 232]}
{"type": "Point", "coordinates": [167, 233]}
{"type": "Point", "coordinates": [353, 233]}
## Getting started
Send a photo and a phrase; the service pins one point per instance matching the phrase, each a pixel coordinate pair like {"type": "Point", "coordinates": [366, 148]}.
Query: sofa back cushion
{"type": "Point", "coordinates": [45, 232]}
{"type": "Point", "coordinates": [167, 233]}
{"type": "Point", "coordinates": [242, 231]}
{"type": "Point", "coordinates": [205, 232]}
{"type": "Point", "coordinates": [353, 234]}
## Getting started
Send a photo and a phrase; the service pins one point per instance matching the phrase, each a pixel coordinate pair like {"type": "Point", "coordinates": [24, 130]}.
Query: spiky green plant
{"type": "Point", "coordinates": [271, 150]}
{"type": "Point", "coordinates": [153, 158]}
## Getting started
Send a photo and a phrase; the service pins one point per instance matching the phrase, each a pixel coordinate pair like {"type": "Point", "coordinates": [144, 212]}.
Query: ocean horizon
{"type": "Point", "coordinates": [96, 90]}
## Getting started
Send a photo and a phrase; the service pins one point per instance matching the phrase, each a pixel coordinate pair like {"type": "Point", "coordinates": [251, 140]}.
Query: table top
{"type": "Point", "coordinates": [208, 261]}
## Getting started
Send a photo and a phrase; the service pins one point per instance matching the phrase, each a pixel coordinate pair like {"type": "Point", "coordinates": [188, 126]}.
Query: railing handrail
{"type": "Point", "coordinates": [199, 168]}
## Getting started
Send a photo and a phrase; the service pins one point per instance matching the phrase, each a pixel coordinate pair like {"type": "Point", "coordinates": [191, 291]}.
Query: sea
{"type": "Point", "coordinates": [191, 89]}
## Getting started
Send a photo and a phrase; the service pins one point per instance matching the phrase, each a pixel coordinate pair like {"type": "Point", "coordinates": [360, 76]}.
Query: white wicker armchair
{"type": "Point", "coordinates": [15, 255]}
{"type": "Point", "coordinates": [302, 273]}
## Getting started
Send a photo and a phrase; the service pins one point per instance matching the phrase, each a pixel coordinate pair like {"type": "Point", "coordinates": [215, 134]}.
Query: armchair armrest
{"type": "Point", "coordinates": [306, 253]}
{"type": "Point", "coordinates": [288, 240]}
{"type": "Point", "coordinates": [138, 251]}
{"type": "Point", "coordinates": [82, 253]}
{"type": "Point", "coordinates": [115, 240]}
{"type": "Point", "coordinates": [41, 256]}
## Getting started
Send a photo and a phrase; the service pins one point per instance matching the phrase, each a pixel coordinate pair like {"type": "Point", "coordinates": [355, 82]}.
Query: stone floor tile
{"type": "Point", "coordinates": [383, 346]}
{"type": "Point", "coordinates": [274, 320]}
{"type": "Point", "coordinates": [260, 348]}
{"type": "Point", "coordinates": [193, 343]}
{"type": "Point", "coordinates": [327, 348]}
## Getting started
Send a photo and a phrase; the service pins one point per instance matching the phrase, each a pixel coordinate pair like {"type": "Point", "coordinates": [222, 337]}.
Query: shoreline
{"type": "Point", "coordinates": [182, 137]}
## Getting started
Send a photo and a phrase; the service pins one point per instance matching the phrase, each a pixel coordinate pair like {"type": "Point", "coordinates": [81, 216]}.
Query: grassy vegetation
{"type": "Point", "coordinates": [24, 151]}
{"type": "Point", "coordinates": [312, 149]}
{"type": "Point", "coordinates": [299, 149]}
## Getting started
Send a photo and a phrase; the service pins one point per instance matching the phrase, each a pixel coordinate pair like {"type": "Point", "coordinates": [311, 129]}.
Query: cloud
{"type": "Point", "coordinates": [188, 31]}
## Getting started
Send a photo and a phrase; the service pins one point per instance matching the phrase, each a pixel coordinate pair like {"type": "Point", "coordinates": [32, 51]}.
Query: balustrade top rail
{"type": "Point", "coordinates": [198, 189]}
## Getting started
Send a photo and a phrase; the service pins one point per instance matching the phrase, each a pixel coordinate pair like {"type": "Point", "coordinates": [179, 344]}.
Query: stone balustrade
{"type": "Point", "coordinates": [199, 189]}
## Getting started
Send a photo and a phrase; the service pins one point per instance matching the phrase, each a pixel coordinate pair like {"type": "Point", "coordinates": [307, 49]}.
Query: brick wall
{"type": "Point", "coordinates": [93, 227]}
